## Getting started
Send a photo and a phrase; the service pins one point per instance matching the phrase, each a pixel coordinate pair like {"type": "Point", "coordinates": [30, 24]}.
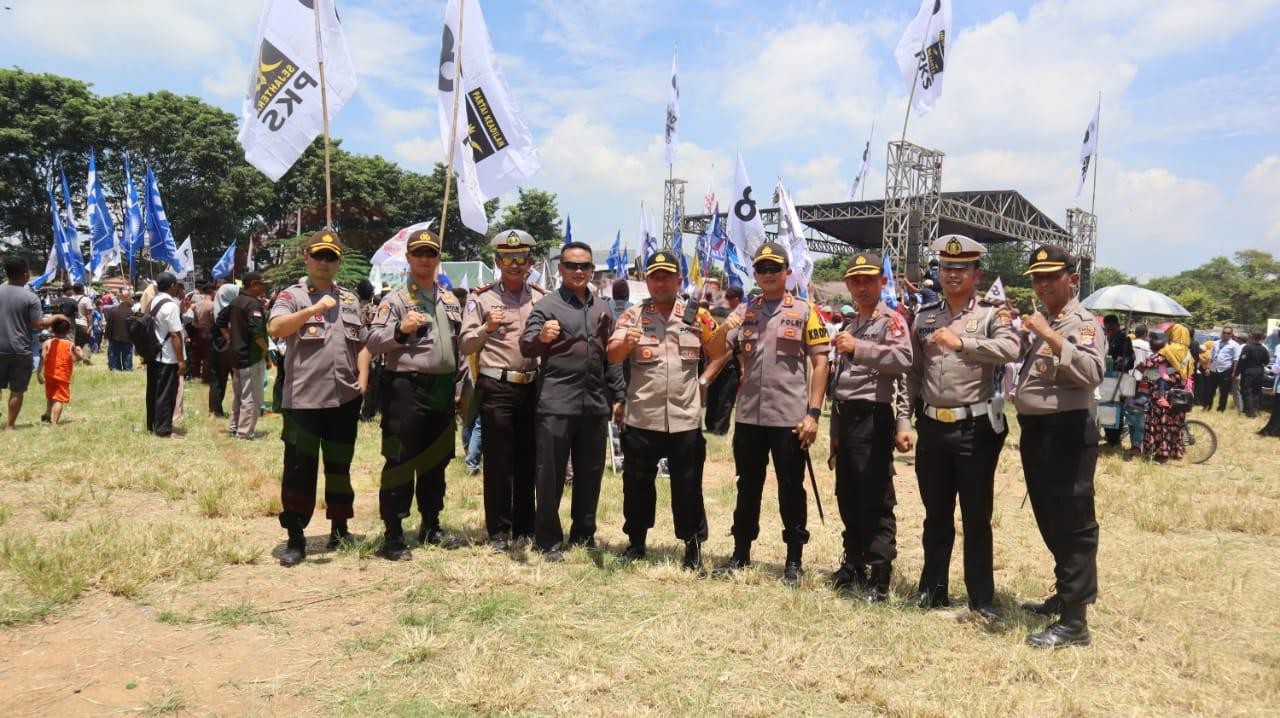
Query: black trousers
{"type": "Point", "coordinates": [864, 482]}
{"type": "Point", "coordinates": [221, 364]}
{"type": "Point", "coordinates": [308, 434]}
{"type": "Point", "coordinates": [721, 395]}
{"type": "Point", "coordinates": [686, 452]}
{"type": "Point", "coordinates": [559, 440]}
{"type": "Point", "coordinates": [277, 389]}
{"type": "Point", "coordinates": [373, 397]}
{"type": "Point", "coordinates": [1220, 384]}
{"type": "Point", "coordinates": [958, 459]}
{"type": "Point", "coordinates": [1251, 391]}
{"type": "Point", "coordinates": [1059, 455]}
{"type": "Point", "coordinates": [162, 396]}
{"type": "Point", "coordinates": [752, 446]}
{"type": "Point", "coordinates": [507, 442]}
{"type": "Point", "coordinates": [418, 437]}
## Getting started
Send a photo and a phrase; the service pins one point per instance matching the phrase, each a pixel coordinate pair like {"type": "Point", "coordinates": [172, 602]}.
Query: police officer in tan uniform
{"type": "Point", "coordinates": [1057, 411]}
{"type": "Point", "coordinates": [957, 344]}
{"type": "Point", "coordinates": [417, 329]}
{"type": "Point", "coordinates": [783, 345]}
{"type": "Point", "coordinates": [505, 388]}
{"type": "Point", "coordinates": [320, 323]}
{"type": "Point", "coordinates": [663, 340]}
{"type": "Point", "coordinates": [873, 351]}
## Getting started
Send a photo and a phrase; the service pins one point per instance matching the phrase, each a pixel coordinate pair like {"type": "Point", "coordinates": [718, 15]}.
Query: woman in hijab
{"type": "Point", "coordinates": [1167, 368]}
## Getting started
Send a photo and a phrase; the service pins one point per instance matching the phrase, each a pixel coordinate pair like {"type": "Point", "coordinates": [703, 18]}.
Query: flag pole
{"type": "Point", "coordinates": [915, 79]}
{"type": "Point", "coordinates": [324, 112]}
{"type": "Point", "coordinates": [1097, 145]}
{"type": "Point", "coordinates": [453, 126]}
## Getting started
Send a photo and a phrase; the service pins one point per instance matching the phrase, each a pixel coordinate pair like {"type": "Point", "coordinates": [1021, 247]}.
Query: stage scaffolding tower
{"type": "Point", "coordinates": [912, 203]}
{"type": "Point", "coordinates": [672, 210]}
{"type": "Point", "coordinates": [1083, 228]}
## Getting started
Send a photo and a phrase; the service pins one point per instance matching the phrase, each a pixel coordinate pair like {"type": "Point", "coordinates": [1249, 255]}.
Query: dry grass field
{"type": "Point", "coordinates": [137, 577]}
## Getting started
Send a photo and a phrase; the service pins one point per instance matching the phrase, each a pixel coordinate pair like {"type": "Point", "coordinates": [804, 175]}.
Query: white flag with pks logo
{"type": "Point", "coordinates": [922, 53]}
{"type": "Point", "coordinates": [1089, 148]}
{"type": "Point", "coordinates": [281, 114]}
{"type": "Point", "coordinates": [495, 151]}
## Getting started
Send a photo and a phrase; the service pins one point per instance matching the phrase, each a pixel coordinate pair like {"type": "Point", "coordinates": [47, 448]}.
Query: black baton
{"type": "Point", "coordinates": [808, 461]}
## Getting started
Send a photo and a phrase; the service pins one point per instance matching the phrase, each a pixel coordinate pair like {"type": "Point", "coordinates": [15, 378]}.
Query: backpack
{"type": "Point", "coordinates": [142, 332]}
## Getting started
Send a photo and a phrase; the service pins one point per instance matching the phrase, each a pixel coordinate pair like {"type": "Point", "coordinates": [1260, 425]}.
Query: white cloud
{"type": "Point", "coordinates": [1262, 187]}
{"type": "Point", "coordinates": [419, 153]}
{"type": "Point", "coordinates": [387, 48]}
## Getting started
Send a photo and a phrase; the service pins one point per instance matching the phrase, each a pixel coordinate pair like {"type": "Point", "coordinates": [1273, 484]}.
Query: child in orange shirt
{"type": "Point", "coordinates": [57, 358]}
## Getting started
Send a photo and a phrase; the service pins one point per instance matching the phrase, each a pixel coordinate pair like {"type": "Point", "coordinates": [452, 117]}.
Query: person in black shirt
{"type": "Point", "coordinates": [1253, 362]}
{"type": "Point", "coordinates": [577, 389]}
{"type": "Point", "coordinates": [244, 328]}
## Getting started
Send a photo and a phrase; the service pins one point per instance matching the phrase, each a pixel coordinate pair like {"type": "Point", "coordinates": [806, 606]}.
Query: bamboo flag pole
{"type": "Point", "coordinates": [324, 112]}
{"type": "Point", "coordinates": [453, 127]}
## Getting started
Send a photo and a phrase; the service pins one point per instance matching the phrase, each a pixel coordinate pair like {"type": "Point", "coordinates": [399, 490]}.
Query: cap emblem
{"type": "Point", "coordinates": [513, 240]}
{"type": "Point", "coordinates": [953, 246]}
{"type": "Point", "coordinates": [767, 251]}
{"type": "Point", "coordinates": [860, 260]}
{"type": "Point", "coordinates": [1043, 255]}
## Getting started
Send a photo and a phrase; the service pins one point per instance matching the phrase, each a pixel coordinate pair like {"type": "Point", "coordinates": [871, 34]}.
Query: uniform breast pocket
{"type": "Point", "coordinates": [351, 328]}
{"type": "Point", "coordinates": [690, 347]}
{"type": "Point", "coordinates": [1045, 368]}
{"type": "Point", "coordinates": [646, 352]}
{"type": "Point", "coordinates": [790, 339]}
{"type": "Point", "coordinates": [312, 332]}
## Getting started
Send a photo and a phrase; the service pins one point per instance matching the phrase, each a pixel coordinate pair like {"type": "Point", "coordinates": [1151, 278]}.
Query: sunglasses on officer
{"type": "Point", "coordinates": [578, 266]}
{"type": "Point", "coordinates": [768, 268]}
{"type": "Point", "coordinates": [324, 256]}
{"type": "Point", "coordinates": [424, 252]}
{"type": "Point", "coordinates": [509, 260]}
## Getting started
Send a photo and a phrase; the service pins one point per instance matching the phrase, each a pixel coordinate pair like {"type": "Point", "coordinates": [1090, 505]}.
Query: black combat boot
{"type": "Point", "coordinates": [1072, 629]}
{"type": "Point", "coordinates": [295, 550]}
{"type": "Point", "coordinates": [740, 559]}
{"type": "Point", "coordinates": [393, 546]}
{"type": "Point", "coordinates": [693, 557]}
{"type": "Point", "coordinates": [878, 583]}
{"type": "Point", "coordinates": [850, 576]}
{"type": "Point", "coordinates": [791, 571]}
{"type": "Point", "coordinates": [635, 552]}
{"type": "Point", "coordinates": [1051, 606]}
{"type": "Point", "coordinates": [431, 533]}
{"type": "Point", "coordinates": [338, 534]}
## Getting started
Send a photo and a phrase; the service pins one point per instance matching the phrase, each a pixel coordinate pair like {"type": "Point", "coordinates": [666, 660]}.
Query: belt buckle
{"type": "Point", "coordinates": [946, 416]}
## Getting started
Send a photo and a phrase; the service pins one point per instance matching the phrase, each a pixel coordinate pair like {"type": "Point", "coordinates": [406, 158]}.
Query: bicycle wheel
{"type": "Point", "coordinates": [1200, 441]}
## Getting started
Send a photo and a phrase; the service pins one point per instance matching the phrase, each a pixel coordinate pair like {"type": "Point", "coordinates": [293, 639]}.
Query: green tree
{"type": "Point", "coordinates": [535, 212]}
{"type": "Point", "coordinates": [355, 265]}
{"type": "Point", "coordinates": [829, 269]}
{"type": "Point", "coordinates": [1109, 277]}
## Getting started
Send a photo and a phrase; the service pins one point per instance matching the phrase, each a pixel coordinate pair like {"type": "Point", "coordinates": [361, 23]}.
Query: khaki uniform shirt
{"type": "Point", "coordinates": [500, 350]}
{"type": "Point", "coordinates": [320, 358]}
{"type": "Point", "coordinates": [1048, 384]}
{"type": "Point", "coordinates": [663, 393]}
{"type": "Point", "coordinates": [430, 350]}
{"type": "Point", "coordinates": [774, 349]}
{"type": "Point", "coordinates": [881, 354]}
{"type": "Point", "coordinates": [950, 379]}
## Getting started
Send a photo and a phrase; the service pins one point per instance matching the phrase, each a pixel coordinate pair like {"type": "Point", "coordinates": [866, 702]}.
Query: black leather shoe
{"type": "Point", "coordinates": [436, 536]}
{"type": "Point", "coordinates": [499, 544]}
{"type": "Point", "coordinates": [394, 549]}
{"type": "Point", "coordinates": [631, 555]}
{"type": "Point", "coordinates": [587, 543]}
{"type": "Point", "coordinates": [338, 534]}
{"type": "Point", "coordinates": [1051, 606]}
{"type": "Point", "coordinates": [878, 584]}
{"type": "Point", "coordinates": [987, 612]}
{"type": "Point", "coordinates": [693, 557]}
{"type": "Point", "coordinates": [733, 565]}
{"type": "Point", "coordinates": [1060, 635]}
{"type": "Point", "coordinates": [295, 550]}
{"type": "Point", "coordinates": [553, 555]}
{"type": "Point", "coordinates": [849, 577]}
{"type": "Point", "coordinates": [926, 600]}
{"type": "Point", "coordinates": [791, 573]}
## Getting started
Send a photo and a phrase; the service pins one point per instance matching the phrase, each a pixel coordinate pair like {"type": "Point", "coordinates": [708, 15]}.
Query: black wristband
{"type": "Point", "coordinates": [815, 413]}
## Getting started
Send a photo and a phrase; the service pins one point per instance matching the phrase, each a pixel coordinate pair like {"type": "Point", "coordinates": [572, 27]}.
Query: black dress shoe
{"type": "Point", "coordinates": [631, 555]}
{"type": "Point", "coordinates": [693, 557]}
{"type": "Point", "coordinates": [394, 549]}
{"type": "Point", "coordinates": [499, 544]}
{"type": "Point", "coordinates": [338, 534]}
{"type": "Point", "coordinates": [1061, 634]}
{"type": "Point", "coordinates": [295, 550]}
{"type": "Point", "coordinates": [587, 543]}
{"type": "Point", "coordinates": [436, 536]}
{"type": "Point", "coordinates": [791, 573]}
{"type": "Point", "coordinates": [733, 565]}
{"type": "Point", "coordinates": [927, 600]}
{"type": "Point", "coordinates": [877, 588]}
{"type": "Point", "coordinates": [849, 577]}
{"type": "Point", "coordinates": [1051, 606]}
{"type": "Point", "coordinates": [987, 612]}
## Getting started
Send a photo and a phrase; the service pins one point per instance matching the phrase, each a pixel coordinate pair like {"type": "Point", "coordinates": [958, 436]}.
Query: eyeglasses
{"type": "Point", "coordinates": [324, 256]}
{"type": "Point", "coordinates": [428, 253]}
{"type": "Point", "coordinates": [578, 266]}
{"type": "Point", "coordinates": [508, 260]}
{"type": "Point", "coordinates": [769, 268]}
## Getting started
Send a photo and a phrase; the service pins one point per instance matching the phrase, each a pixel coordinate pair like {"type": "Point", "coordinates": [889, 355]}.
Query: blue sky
{"type": "Point", "coordinates": [1190, 138]}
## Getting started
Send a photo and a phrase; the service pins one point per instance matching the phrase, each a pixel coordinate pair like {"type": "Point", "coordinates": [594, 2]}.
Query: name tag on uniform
{"type": "Point", "coordinates": [971, 326]}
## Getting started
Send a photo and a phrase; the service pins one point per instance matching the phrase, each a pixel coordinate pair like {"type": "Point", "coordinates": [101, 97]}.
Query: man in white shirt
{"type": "Point", "coordinates": [1222, 369]}
{"type": "Point", "coordinates": [170, 363]}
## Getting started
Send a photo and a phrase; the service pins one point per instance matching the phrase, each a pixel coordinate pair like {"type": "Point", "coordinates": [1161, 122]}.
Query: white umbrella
{"type": "Point", "coordinates": [1134, 300]}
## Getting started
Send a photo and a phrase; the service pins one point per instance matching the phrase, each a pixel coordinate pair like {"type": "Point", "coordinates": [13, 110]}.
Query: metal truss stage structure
{"type": "Point", "coordinates": [915, 212]}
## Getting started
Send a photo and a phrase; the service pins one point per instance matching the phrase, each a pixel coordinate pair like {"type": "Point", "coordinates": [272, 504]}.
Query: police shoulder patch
{"type": "Point", "coordinates": [471, 304]}
{"type": "Point", "coordinates": [285, 296]}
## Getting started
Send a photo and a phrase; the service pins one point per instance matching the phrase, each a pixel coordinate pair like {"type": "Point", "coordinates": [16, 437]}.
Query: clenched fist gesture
{"type": "Point", "coordinates": [549, 332]}
{"type": "Point", "coordinates": [493, 319]}
{"type": "Point", "coordinates": [946, 339]}
{"type": "Point", "coordinates": [633, 335]}
{"type": "Point", "coordinates": [412, 322]}
{"type": "Point", "coordinates": [731, 322]}
{"type": "Point", "coordinates": [326, 303]}
{"type": "Point", "coordinates": [844, 342]}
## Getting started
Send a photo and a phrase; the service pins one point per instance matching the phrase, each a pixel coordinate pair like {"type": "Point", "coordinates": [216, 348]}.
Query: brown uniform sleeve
{"type": "Point", "coordinates": [912, 379]}
{"type": "Point", "coordinates": [382, 331]}
{"type": "Point", "coordinates": [473, 335]}
{"type": "Point", "coordinates": [892, 354]}
{"type": "Point", "coordinates": [1084, 351]}
{"type": "Point", "coordinates": [1001, 345]}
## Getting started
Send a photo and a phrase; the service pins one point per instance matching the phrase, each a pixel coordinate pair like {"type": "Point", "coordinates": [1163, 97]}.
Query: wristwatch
{"type": "Point", "coordinates": [702, 381]}
{"type": "Point", "coordinates": [815, 413]}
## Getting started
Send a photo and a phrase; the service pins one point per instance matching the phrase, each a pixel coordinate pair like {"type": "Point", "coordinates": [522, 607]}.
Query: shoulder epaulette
{"type": "Point", "coordinates": [484, 288]}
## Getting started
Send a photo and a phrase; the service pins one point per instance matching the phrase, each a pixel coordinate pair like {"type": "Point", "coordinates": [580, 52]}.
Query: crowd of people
{"type": "Point", "coordinates": [537, 377]}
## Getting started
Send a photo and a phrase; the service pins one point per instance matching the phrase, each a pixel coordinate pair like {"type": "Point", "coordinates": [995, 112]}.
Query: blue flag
{"type": "Point", "coordinates": [889, 292]}
{"type": "Point", "coordinates": [72, 257]}
{"type": "Point", "coordinates": [617, 265]}
{"type": "Point", "coordinates": [102, 232]}
{"type": "Point", "coordinates": [134, 233]}
{"type": "Point", "coordinates": [443, 280]}
{"type": "Point", "coordinates": [163, 247]}
{"type": "Point", "coordinates": [226, 263]}
{"type": "Point", "coordinates": [568, 229]}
